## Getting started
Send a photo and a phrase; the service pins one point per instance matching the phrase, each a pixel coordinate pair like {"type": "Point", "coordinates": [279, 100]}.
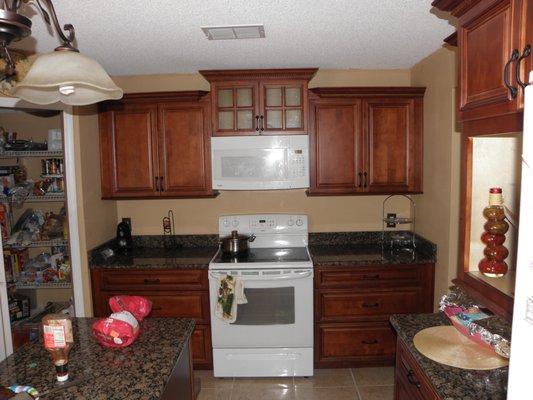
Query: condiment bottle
{"type": "Point", "coordinates": [58, 340]}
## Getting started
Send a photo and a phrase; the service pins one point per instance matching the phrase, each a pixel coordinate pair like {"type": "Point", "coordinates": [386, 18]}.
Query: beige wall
{"type": "Point", "coordinates": [97, 218]}
{"type": "Point", "coordinates": [342, 213]}
{"type": "Point", "coordinates": [437, 209]}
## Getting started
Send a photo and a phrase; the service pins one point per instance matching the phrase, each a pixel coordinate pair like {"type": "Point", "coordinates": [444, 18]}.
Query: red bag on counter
{"type": "Point", "coordinates": [119, 330]}
{"type": "Point", "coordinates": [139, 306]}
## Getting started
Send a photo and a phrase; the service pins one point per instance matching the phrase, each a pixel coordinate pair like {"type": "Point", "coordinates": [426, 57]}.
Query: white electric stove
{"type": "Point", "coordinates": [273, 332]}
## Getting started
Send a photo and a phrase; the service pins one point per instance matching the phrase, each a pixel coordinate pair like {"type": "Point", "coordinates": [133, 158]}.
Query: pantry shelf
{"type": "Point", "coordinates": [59, 197]}
{"type": "Point", "coordinates": [48, 285]}
{"type": "Point", "coordinates": [31, 153]}
{"type": "Point", "coordinates": [42, 243]}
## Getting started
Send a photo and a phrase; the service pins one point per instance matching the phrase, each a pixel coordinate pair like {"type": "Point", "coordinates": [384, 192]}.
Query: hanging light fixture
{"type": "Point", "coordinates": [64, 75]}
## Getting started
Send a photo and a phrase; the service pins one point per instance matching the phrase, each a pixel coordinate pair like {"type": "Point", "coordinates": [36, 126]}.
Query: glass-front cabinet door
{"type": "Point", "coordinates": [236, 109]}
{"type": "Point", "coordinates": [282, 107]}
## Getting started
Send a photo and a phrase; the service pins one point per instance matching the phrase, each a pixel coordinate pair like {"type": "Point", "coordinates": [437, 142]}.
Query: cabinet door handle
{"type": "Point", "coordinates": [371, 277]}
{"type": "Point", "coordinates": [373, 305]}
{"type": "Point", "coordinates": [360, 174]}
{"type": "Point", "coordinates": [161, 189]}
{"type": "Point", "coordinates": [152, 281]}
{"type": "Point", "coordinates": [412, 379]}
{"type": "Point", "coordinates": [525, 54]}
{"type": "Point", "coordinates": [366, 179]}
{"type": "Point", "coordinates": [262, 119]}
{"type": "Point", "coordinates": [257, 123]}
{"type": "Point", "coordinates": [515, 55]}
{"type": "Point", "coordinates": [157, 184]}
{"type": "Point", "coordinates": [375, 341]}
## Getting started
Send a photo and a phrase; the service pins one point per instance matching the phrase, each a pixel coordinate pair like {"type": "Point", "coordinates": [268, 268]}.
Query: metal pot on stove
{"type": "Point", "coordinates": [235, 244]}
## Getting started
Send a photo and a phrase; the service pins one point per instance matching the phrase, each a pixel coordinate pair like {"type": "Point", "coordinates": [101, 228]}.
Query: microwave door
{"type": "Point", "coordinates": [250, 169]}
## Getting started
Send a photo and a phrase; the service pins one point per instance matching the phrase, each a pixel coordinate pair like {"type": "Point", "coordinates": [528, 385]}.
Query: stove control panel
{"type": "Point", "coordinates": [263, 224]}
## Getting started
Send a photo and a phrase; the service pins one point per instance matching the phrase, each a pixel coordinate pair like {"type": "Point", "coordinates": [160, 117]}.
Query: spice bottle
{"type": "Point", "coordinates": [58, 340]}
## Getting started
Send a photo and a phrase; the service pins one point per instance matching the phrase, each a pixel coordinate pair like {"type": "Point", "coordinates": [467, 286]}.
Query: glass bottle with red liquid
{"type": "Point", "coordinates": [58, 340]}
{"type": "Point", "coordinates": [493, 264]}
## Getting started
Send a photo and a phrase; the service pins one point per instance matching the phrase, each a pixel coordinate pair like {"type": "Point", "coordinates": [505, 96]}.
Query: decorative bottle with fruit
{"type": "Point", "coordinates": [493, 264]}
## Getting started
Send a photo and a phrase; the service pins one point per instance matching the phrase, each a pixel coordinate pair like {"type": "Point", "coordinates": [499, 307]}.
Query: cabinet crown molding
{"type": "Point", "coordinates": [263, 74]}
{"type": "Point", "coordinates": [455, 7]}
{"type": "Point", "coordinates": [186, 95]}
{"type": "Point", "coordinates": [369, 91]}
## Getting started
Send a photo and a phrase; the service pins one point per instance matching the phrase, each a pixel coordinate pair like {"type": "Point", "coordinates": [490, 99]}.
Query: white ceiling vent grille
{"type": "Point", "coordinates": [234, 32]}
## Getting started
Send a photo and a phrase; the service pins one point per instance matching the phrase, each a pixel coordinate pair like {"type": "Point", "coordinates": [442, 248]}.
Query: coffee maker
{"type": "Point", "coordinates": [124, 241]}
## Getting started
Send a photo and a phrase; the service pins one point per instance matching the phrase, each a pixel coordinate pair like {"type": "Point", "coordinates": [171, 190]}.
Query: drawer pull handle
{"type": "Point", "coordinates": [151, 281]}
{"type": "Point", "coordinates": [369, 277]}
{"type": "Point", "coordinates": [412, 380]}
{"type": "Point", "coordinates": [157, 308]}
{"type": "Point", "coordinates": [366, 305]}
{"type": "Point", "coordinates": [375, 341]}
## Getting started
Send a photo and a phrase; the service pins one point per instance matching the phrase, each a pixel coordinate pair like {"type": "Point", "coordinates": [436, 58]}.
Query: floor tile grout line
{"type": "Point", "coordinates": [355, 384]}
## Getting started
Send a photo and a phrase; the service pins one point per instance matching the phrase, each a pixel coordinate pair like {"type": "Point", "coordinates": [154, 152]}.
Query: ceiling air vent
{"type": "Point", "coordinates": [234, 32]}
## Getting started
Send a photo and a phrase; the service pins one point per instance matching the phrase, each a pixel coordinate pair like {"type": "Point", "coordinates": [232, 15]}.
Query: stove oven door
{"type": "Point", "coordinates": [279, 311]}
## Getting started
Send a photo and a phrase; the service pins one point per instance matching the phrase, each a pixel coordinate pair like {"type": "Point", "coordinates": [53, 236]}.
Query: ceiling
{"type": "Point", "coordinates": [152, 37]}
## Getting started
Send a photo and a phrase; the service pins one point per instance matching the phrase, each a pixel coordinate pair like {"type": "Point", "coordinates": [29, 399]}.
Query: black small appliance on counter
{"type": "Point", "coordinates": [124, 241]}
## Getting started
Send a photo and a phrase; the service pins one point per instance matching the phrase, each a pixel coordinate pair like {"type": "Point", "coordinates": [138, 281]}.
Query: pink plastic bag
{"type": "Point", "coordinates": [119, 330]}
{"type": "Point", "coordinates": [139, 306]}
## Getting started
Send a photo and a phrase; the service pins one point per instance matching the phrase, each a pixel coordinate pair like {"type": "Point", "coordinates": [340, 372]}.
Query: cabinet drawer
{"type": "Point", "coordinates": [343, 305]}
{"type": "Point", "coordinates": [194, 304]}
{"type": "Point", "coordinates": [375, 277]}
{"type": "Point", "coordinates": [163, 280]}
{"type": "Point", "coordinates": [201, 347]}
{"type": "Point", "coordinates": [347, 342]}
{"type": "Point", "coordinates": [410, 377]}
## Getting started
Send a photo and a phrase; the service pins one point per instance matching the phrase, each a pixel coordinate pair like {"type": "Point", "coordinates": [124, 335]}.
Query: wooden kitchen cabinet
{"type": "Point", "coordinates": [366, 140]}
{"type": "Point", "coordinates": [410, 383]}
{"type": "Point", "coordinates": [259, 102]}
{"type": "Point", "coordinates": [174, 293]}
{"type": "Point", "coordinates": [155, 145]}
{"type": "Point", "coordinates": [353, 307]}
{"type": "Point", "coordinates": [493, 37]}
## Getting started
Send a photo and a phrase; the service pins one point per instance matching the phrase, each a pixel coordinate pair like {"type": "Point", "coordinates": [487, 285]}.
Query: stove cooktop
{"type": "Point", "coordinates": [265, 255]}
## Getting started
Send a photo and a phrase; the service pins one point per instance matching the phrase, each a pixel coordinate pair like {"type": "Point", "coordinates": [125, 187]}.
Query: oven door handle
{"type": "Point", "coordinates": [266, 277]}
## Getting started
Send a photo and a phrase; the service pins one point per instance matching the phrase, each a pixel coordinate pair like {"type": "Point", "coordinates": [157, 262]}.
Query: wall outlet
{"type": "Point", "coordinates": [128, 221]}
{"type": "Point", "coordinates": [391, 216]}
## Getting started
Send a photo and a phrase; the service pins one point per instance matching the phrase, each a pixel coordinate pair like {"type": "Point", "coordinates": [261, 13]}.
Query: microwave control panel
{"type": "Point", "coordinates": [298, 163]}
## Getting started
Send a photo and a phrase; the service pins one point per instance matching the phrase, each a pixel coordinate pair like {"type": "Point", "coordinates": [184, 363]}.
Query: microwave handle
{"type": "Point", "coordinates": [261, 277]}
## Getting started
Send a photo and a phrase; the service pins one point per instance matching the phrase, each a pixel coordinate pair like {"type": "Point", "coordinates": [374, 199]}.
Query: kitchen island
{"type": "Point", "coordinates": [156, 366]}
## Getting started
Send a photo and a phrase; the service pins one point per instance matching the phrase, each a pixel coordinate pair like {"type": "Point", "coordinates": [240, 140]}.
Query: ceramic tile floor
{"type": "Point", "coordinates": [327, 384]}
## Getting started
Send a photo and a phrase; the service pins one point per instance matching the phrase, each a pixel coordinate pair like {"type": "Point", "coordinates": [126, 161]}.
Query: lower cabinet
{"type": "Point", "coordinates": [410, 382]}
{"type": "Point", "coordinates": [175, 293]}
{"type": "Point", "coordinates": [353, 306]}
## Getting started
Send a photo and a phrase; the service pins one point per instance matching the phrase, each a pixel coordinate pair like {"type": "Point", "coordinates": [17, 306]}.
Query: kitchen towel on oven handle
{"type": "Point", "coordinates": [230, 294]}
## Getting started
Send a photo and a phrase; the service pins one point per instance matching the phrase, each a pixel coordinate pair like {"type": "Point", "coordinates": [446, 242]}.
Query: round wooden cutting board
{"type": "Point", "coordinates": [446, 345]}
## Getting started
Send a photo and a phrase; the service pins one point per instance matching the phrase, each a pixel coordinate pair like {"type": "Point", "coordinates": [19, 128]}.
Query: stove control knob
{"type": "Point", "coordinates": [225, 222]}
{"type": "Point", "coordinates": [235, 223]}
{"type": "Point", "coordinates": [299, 222]}
{"type": "Point", "coordinates": [291, 222]}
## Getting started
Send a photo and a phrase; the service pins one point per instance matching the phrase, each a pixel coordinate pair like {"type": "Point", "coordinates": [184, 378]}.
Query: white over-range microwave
{"type": "Point", "coordinates": [260, 162]}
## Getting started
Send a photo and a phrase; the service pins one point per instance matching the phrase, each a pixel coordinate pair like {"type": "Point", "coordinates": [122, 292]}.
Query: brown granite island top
{"type": "Point", "coordinates": [140, 371]}
{"type": "Point", "coordinates": [452, 383]}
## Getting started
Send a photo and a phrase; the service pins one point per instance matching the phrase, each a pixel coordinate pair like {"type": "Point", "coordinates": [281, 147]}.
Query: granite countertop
{"type": "Point", "coordinates": [364, 248]}
{"type": "Point", "coordinates": [157, 258]}
{"type": "Point", "coordinates": [450, 383]}
{"type": "Point", "coordinates": [140, 371]}
{"type": "Point", "coordinates": [196, 251]}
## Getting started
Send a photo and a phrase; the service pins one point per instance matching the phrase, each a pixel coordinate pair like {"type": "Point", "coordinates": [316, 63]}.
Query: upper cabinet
{"type": "Point", "coordinates": [366, 140]}
{"type": "Point", "coordinates": [156, 145]}
{"type": "Point", "coordinates": [259, 102]}
{"type": "Point", "coordinates": [494, 39]}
